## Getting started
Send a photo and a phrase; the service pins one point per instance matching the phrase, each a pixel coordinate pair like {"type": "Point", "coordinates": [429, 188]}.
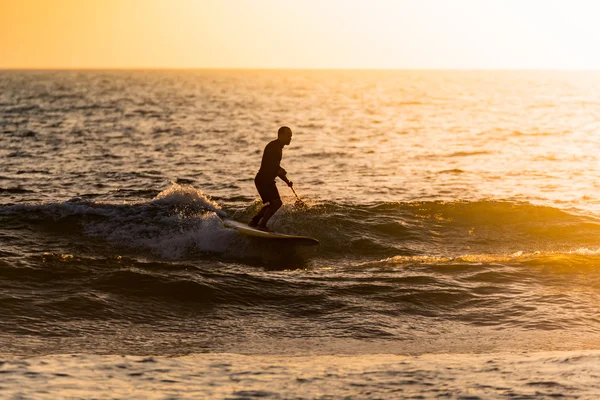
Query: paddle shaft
{"type": "Point", "coordinates": [296, 194]}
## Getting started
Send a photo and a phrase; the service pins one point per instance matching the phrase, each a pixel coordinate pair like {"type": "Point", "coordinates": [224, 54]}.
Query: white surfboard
{"type": "Point", "coordinates": [249, 231]}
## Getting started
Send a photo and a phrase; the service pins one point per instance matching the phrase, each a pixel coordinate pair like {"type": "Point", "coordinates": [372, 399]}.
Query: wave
{"type": "Point", "coordinates": [14, 190]}
{"type": "Point", "coordinates": [178, 221]}
{"type": "Point", "coordinates": [181, 222]}
{"type": "Point", "coordinates": [384, 299]}
{"type": "Point", "coordinates": [580, 259]}
{"type": "Point", "coordinates": [384, 270]}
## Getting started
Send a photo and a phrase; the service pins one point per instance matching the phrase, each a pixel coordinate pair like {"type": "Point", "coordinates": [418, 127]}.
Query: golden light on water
{"type": "Point", "coordinates": [414, 34]}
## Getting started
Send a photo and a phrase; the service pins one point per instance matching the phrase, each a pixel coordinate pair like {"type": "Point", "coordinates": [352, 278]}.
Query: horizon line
{"type": "Point", "coordinates": [141, 68]}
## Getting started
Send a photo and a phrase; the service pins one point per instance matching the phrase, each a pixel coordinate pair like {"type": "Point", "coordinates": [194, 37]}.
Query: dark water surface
{"type": "Point", "coordinates": [456, 211]}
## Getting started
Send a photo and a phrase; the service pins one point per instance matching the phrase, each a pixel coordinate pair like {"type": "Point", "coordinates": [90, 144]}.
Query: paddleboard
{"type": "Point", "coordinates": [244, 229]}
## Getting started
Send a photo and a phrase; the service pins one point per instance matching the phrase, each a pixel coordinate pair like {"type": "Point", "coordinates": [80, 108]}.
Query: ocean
{"type": "Point", "coordinates": [458, 214]}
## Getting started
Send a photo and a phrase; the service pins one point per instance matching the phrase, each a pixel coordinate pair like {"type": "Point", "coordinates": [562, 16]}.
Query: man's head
{"type": "Point", "coordinates": [284, 134]}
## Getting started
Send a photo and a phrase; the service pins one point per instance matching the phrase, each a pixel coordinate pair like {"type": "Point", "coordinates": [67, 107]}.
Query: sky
{"type": "Point", "coordinates": [380, 34]}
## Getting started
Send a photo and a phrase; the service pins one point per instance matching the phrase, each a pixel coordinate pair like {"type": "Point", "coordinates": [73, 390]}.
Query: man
{"type": "Point", "coordinates": [265, 178]}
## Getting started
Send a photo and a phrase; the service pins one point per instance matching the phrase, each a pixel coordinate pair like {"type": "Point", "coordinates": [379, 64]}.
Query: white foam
{"type": "Point", "coordinates": [187, 195]}
{"type": "Point", "coordinates": [204, 233]}
{"type": "Point", "coordinates": [177, 223]}
{"type": "Point", "coordinates": [584, 251]}
{"type": "Point", "coordinates": [172, 236]}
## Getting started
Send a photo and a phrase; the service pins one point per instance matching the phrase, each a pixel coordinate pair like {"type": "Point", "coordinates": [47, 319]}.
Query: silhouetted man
{"type": "Point", "coordinates": [265, 178]}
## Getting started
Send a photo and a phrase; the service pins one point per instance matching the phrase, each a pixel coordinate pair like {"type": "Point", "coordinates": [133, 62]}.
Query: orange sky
{"type": "Point", "coordinates": [498, 34]}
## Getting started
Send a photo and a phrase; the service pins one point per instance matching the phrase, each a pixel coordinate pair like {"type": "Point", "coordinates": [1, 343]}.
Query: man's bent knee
{"type": "Point", "coordinates": [276, 204]}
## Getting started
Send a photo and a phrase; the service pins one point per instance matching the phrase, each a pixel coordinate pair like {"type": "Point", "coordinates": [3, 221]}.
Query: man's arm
{"type": "Point", "coordinates": [282, 174]}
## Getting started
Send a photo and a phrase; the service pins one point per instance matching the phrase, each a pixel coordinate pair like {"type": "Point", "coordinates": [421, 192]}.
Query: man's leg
{"type": "Point", "coordinates": [263, 192]}
{"type": "Point", "coordinates": [254, 222]}
{"type": "Point", "coordinates": [272, 208]}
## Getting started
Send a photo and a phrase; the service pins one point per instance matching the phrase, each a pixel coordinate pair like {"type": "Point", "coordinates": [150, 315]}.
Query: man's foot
{"type": "Point", "coordinates": [263, 228]}
{"type": "Point", "coordinates": [254, 222]}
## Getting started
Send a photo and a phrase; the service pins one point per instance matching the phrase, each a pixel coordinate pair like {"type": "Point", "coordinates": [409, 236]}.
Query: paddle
{"type": "Point", "coordinates": [299, 202]}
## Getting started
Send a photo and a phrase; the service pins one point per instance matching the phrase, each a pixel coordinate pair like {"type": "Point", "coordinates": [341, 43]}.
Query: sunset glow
{"type": "Point", "coordinates": [299, 199]}
{"type": "Point", "coordinates": [299, 34]}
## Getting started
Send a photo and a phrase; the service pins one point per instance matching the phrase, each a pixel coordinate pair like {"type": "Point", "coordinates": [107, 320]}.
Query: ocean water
{"type": "Point", "coordinates": [458, 214]}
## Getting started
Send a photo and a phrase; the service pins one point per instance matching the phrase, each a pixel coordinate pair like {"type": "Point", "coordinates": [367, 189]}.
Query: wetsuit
{"type": "Point", "coordinates": [269, 170]}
